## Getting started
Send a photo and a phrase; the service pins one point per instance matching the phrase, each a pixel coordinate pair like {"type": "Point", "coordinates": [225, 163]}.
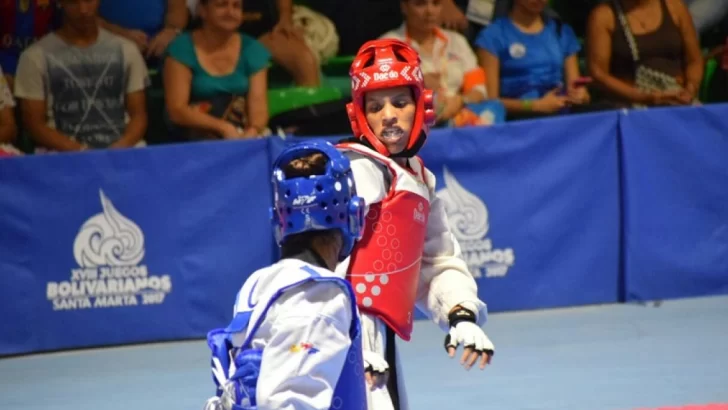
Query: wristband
{"type": "Point", "coordinates": [528, 105]}
{"type": "Point", "coordinates": [461, 315]}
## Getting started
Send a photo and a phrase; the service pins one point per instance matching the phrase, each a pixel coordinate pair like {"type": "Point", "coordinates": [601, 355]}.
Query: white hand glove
{"type": "Point", "coordinates": [374, 362]}
{"type": "Point", "coordinates": [218, 403]}
{"type": "Point", "coordinates": [227, 399]}
{"type": "Point", "coordinates": [376, 368]}
{"type": "Point", "coordinates": [474, 340]}
{"type": "Point", "coordinates": [213, 403]}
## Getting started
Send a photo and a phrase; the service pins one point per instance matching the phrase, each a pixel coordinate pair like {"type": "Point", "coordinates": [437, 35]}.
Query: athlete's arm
{"type": "Point", "coordinates": [310, 340]}
{"type": "Point", "coordinates": [445, 280]}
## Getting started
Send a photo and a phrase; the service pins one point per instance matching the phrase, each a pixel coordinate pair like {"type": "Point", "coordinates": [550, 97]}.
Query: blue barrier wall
{"type": "Point", "coordinates": [676, 202]}
{"type": "Point", "coordinates": [118, 247]}
{"type": "Point", "coordinates": [536, 211]}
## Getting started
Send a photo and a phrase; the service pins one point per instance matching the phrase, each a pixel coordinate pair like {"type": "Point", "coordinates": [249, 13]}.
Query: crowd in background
{"type": "Point", "coordinates": [76, 74]}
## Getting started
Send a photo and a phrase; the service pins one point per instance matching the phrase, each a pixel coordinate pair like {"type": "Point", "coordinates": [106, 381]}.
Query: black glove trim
{"type": "Point", "coordinates": [370, 369]}
{"type": "Point", "coordinates": [447, 343]}
{"type": "Point", "coordinates": [458, 316]}
{"type": "Point", "coordinates": [461, 315]}
{"type": "Point", "coordinates": [489, 352]}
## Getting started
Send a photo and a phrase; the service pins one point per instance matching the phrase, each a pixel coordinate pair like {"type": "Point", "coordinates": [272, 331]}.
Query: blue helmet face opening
{"type": "Point", "coordinates": [317, 202]}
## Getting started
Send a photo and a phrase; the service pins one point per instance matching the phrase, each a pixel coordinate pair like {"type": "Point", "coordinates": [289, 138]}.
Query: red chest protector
{"type": "Point", "coordinates": [384, 268]}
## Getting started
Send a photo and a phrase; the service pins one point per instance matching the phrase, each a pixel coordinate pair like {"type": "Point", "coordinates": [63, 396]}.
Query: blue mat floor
{"type": "Point", "coordinates": [615, 357]}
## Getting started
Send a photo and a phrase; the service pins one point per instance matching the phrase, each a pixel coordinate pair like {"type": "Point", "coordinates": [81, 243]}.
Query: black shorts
{"type": "Point", "coordinates": [259, 17]}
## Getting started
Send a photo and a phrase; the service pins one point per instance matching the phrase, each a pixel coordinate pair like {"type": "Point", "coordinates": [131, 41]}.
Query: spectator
{"type": "Point", "coordinates": [82, 87]}
{"type": "Point", "coordinates": [216, 78]}
{"type": "Point", "coordinates": [272, 24]}
{"type": "Point", "coordinates": [151, 29]}
{"type": "Point", "coordinates": [21, 24]}
{"type": "Point", "coordinates": [661, 36]}
{"type": "Point", "coordinates": [8, 130]}
{"type": "Point", "coordinates": [449, 64]}
{"type": "Point", "coordinates": [531, 61]}
{"type": "Point", "coordinates": [362, 20]}
{"type": "Point", "coordinates": [480, 13]}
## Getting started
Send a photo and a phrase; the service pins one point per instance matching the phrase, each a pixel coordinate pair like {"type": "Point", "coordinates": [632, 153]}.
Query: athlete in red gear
{"type": "Point", "coordinates": [408, 255]}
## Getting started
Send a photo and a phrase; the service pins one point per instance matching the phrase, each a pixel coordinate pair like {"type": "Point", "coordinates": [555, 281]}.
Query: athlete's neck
{"type": "Point", "coordinates": [327, 253]}
{"type": "Point", "coordinates": [315, 255]}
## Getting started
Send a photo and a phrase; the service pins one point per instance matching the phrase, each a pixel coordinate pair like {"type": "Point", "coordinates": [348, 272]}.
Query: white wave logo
{"type": "Point", "coordinates": [468, 216]}
{"type": "Point", "coordinates": [108, 239]}
{"type": "Point", "coordinates": [108, 249]}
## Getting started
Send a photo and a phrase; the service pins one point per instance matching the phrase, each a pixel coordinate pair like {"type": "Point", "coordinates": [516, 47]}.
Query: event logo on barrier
{"type": "Point", "coordinates": [468, 216]}
{"type": "Point", "coordinates": [109, 249]}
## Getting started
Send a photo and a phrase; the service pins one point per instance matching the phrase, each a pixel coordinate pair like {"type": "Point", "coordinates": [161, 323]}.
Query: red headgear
{"type": "Point", "coordinates": [382, 64]}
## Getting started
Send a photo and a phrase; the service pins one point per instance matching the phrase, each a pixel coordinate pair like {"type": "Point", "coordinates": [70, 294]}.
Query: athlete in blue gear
{"type": "Point", "coordinates": [294, 341]}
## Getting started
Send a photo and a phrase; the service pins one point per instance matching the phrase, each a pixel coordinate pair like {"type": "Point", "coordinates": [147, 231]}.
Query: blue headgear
{"type": "Point", "coordinates": [317, 202]}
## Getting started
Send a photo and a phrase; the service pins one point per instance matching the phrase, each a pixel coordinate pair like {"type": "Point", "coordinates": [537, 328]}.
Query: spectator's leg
{"type": "Point", "coordinates": [295, 56]}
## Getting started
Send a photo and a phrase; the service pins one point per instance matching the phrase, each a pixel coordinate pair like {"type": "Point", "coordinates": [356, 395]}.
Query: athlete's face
{"type": "Point", "coordinates": [422, 14]}
{"type": "Point", "coordinates": [224, 15]}
{"type": "Point", "coordinates": [390, 114]}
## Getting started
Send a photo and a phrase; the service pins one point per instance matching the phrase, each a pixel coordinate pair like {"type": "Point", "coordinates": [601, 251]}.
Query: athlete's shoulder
{"type": "Point", "coordinates": [317, 283]}
{"type": "Point", "coordinates": [355, 148]}
{"type": "Point", "coordinates": [283, 275]}
{"type": "Point", "coordinates": [258, 283]}
{"type": "Point", "coordinates": [278, 275]}
{"type": "Point", "coordinates": [364, 160]}
{"type": "Point", "coordinates": [430, 178]}
{"type": "Point", "coordinates": [275, 276]}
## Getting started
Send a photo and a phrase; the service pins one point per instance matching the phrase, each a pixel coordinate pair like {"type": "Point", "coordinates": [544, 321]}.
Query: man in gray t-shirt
{"type": "Point", "coordinates": [81, 86]}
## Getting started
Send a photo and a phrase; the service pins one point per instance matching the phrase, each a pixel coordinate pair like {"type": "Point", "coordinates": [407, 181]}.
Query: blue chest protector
{"type": "Point", "coordinates": [349, 392]}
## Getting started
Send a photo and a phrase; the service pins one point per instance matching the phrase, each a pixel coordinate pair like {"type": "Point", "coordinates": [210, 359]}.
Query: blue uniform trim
{"type": "Point", "coordinates": [349, 392]}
